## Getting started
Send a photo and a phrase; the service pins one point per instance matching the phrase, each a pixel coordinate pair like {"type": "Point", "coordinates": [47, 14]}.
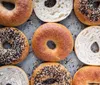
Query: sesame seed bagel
{"type": "Point", "coordinates": [58, 35]}
{"type": "Point", "coordinates": [18, 15]}
{"type": "Point", "coordinates": [13, 75]}
{"type": "Point", "coordinates": [88, 11]}
{"type": "Point", "coordinates": [18, 46]}
{"type": "Point", "coordinates": [88, 75]}
{"type": "Point", "coordinates": [51, 74]}
{"type": "Point", "coordinates": [52, 10]}
{"type": "Point", "coordinates": [87, 45]}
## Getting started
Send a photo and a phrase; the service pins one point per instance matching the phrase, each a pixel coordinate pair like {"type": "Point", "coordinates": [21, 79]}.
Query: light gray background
{"type": "Point", "coordinates": [31, 62]}
{"type": "Point", "coordinates": [29, 27]}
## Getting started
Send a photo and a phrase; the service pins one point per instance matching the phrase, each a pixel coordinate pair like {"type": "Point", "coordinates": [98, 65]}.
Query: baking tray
{"type": "Point", "coordinates": [29, 27]}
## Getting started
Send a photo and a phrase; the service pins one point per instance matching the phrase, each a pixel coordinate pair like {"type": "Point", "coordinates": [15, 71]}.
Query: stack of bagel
{"type": "Point", "coordinates": [51, 42]}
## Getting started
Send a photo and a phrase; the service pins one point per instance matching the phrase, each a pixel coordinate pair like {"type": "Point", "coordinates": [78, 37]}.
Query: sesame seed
{"type": "Point", "coordinates": [12, 36]}
{"type": "Point", "coordinates": [91, 11]}
{"type": "Point", "coordinates": [54, 74]}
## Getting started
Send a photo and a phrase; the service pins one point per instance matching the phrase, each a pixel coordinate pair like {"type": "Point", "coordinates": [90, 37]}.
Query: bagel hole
{"type": "Point", "coordinates": [8, 5]}
{"type": "Point", "coordinates": [8, 84]}
{"type": "Point", "coordinates": [49, 81]}
{"type": "Point", "coordinates": [96, 4]}
{"type": "Point", "coordinates": [51, 44]}
{"type": "Point", "coordinates": [94, 84]}
{"type": "Point", "coordinates": [7, 45]}
{"type": "Point", "coordinates": [50, 3]}
{"type": "Point", "coordinates": [95, 47]}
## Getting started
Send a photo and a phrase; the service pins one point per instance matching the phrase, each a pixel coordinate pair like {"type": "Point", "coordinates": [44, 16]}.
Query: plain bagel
{"type": "Point", "coordinates": [13, 75]}
{"type": "Point", "coordinates": [87, 45]}
{"type": "Point", "coordinates": [88, 75]}
{"type": "Point", "coordinates": [53, 10]}
{"type": "Point", "coordinates": [14, 46]}
{"type": "Point", "coordinates": [88, 11]}
{"type": "Point", "coordinates": [55, 34]}
{"type": "Point", "coordinates": [18, 15]}
{"type": "Point", "coordinates": [51, 74]}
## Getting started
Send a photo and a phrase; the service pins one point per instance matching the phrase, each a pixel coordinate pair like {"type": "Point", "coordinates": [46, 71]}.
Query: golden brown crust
{"type": "Point", "coordinates": [87, 75]}
{"type": "Point", "coordinates": [39, 69]}
{"type": "Point", "coordinates": [57, 33]}
{"type": "Point", "coordinates": [17, 16]}
{"type": "Point", "coordinates": [82, 17]}
{"type": "Point", "coordinates": [25, 51]}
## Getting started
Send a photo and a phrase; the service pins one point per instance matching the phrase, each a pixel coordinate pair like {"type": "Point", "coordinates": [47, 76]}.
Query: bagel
{"type": "Point", "coordinates": [18, 15]}
{"type": "Point", "coordinates": [58, 35]}
{"type": "Point", "coordinates": [88, 75]}
{"type": "Point", "coordinates": [17, 46]}
{"type": "Point", "coordinates": [13, 75]}
{"type": "Point", "coordinates": [87, 45]}
{"type": "Point", "coordinates": [88, 11]}
{"type": "Point", "coordinates": [51, 74]}
{"type": "Point", "coordinates": [52, 10]}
